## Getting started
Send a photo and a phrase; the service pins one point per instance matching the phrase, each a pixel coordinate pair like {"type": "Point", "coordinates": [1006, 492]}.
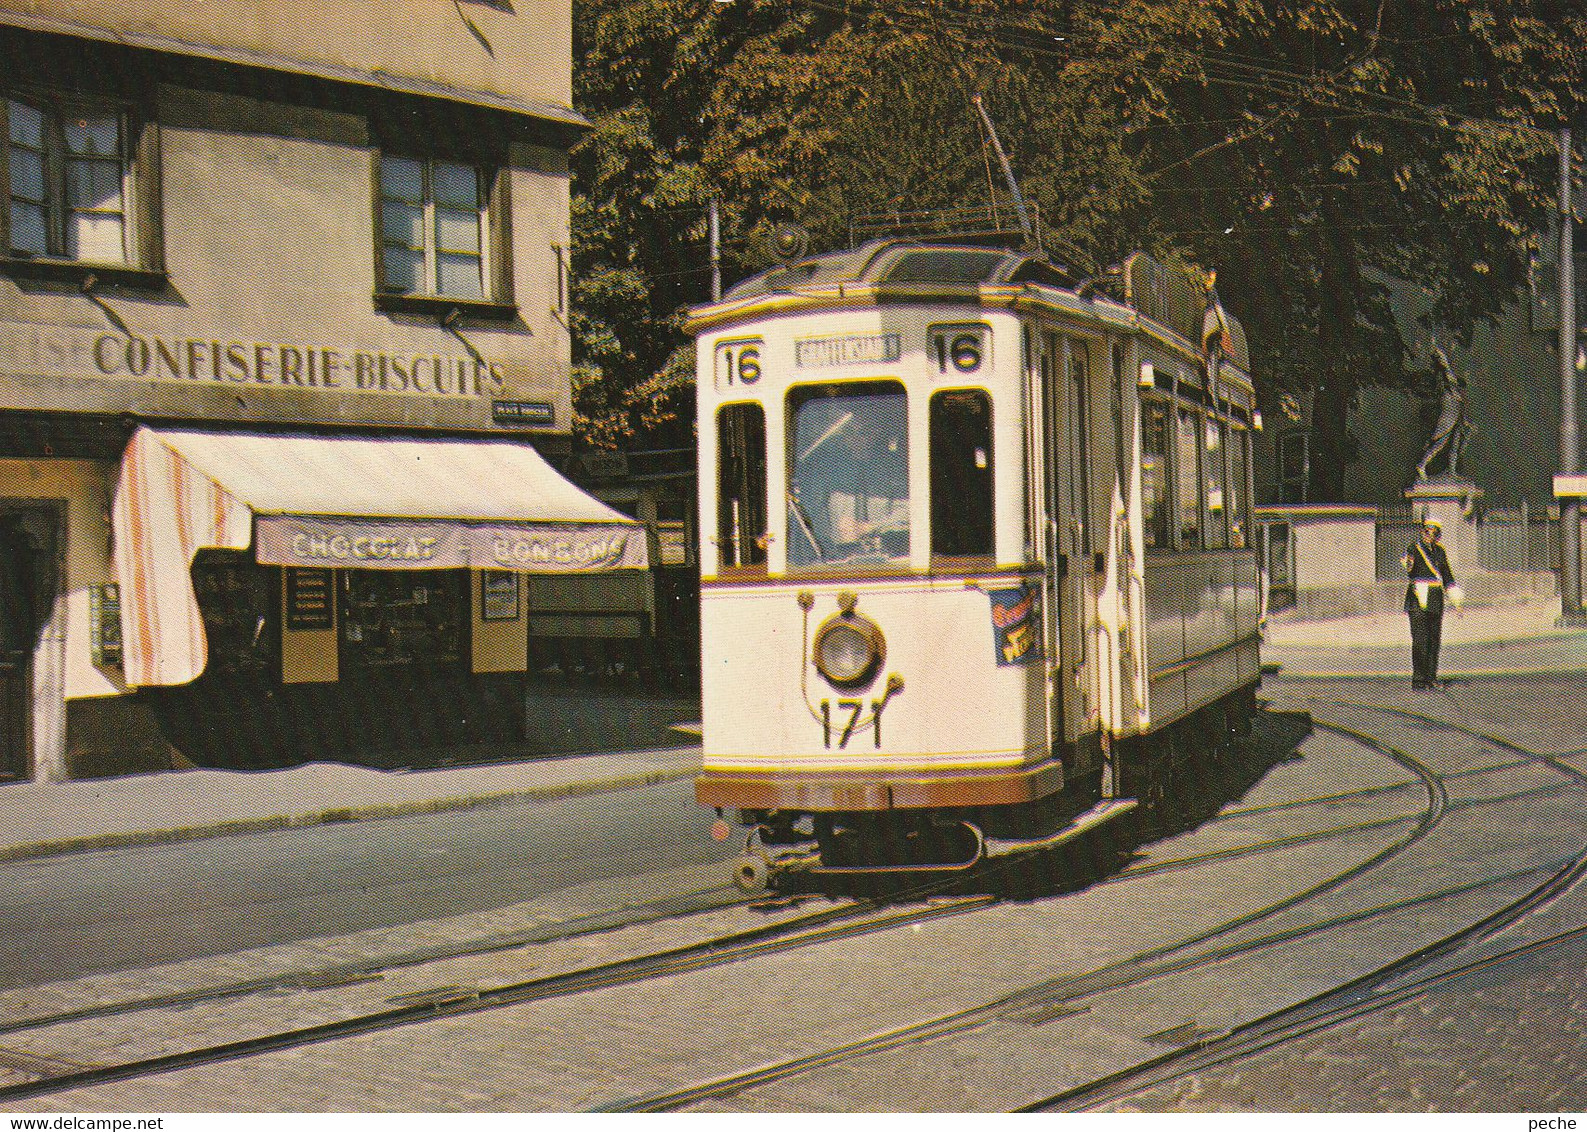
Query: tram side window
{"type": "Point", "coordinates": [961, 474]}
{"type": "Point", "coordinates": [1217, 531]}
{"type": "Point", "coordinates": [1239, 440]}
{"type": "Point", "coordinates": [741, 485]}
{"type": "Point", "coordinates": [1188, 467]}
{"type": "Point", "coordinates": [1154, 476]}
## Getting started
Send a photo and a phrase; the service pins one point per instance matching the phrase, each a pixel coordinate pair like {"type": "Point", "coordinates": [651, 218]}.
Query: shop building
{"type": "Point", "coordinates": [284, 378]}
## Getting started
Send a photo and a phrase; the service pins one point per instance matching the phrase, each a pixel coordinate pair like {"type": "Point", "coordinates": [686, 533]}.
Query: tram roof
{"type": "Point", "coordinates": [1175, 298]}
{"type": "Point", "coordinates": [902, 262]}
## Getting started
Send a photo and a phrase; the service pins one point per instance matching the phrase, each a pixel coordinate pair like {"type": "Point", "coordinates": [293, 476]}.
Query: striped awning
{"type": "Point", "coordinates": [334, 501]}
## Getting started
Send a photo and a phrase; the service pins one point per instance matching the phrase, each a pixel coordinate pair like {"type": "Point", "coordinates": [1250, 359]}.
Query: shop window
{"type": "Point", "coordinates": [1217, 523]}
{"type": "Point", "coordinates": [237, 600]}
{"type": "Point", "coordinates": [402, 617]}
{"type": "Point", "coordinates": [961, 474]}
{"type": "Point", "coordinates": [741, 485]}
{"type": "Point", "coordinates": [81, 184]}
{"type": "Point", "coordinates": [1187, 467]}
{"type": "Point", "coordinates": [1155, 503]}
{"type": "Point", "coordinates": [440, 230]}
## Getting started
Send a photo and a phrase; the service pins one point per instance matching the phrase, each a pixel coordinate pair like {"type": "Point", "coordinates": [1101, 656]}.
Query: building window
{"type": "Point", "coordinates": [71, 179]}
{"type": "Point", "coordinates": [435, 229]}
{"type": "Point", "coordinates": [1293, 466]}
{"type": "Point", "coordinates": [961, 474]}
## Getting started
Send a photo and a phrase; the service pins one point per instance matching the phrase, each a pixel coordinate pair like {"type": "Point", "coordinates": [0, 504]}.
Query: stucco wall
{"type": "Point", "coordinates": [1334, 551]}
{"type": "Point", "coordinates": [269, 222]}
{"type": "Point", "coordinates": [82, 486]}
{"type": "Point", "coordinates": [517, 50]}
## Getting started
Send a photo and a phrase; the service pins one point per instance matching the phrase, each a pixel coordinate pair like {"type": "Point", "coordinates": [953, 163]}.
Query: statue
{"type": "Point", "coordinates": [1453, 430]}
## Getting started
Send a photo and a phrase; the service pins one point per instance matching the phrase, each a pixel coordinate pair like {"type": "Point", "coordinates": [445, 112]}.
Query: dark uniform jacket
{"type": "Point", "coordinates": [1422, 557]}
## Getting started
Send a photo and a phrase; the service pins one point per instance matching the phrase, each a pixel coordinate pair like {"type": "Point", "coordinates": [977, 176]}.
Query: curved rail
{"type": "Point", "coordinates": [1052, 998]}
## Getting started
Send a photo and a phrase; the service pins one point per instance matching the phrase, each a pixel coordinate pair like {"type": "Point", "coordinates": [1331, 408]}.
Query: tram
{"type": "Point", "coordinates": [976, 559]}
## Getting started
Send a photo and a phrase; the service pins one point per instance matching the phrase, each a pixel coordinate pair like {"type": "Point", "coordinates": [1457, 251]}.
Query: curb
{"type": "Point", "coordinates": [1287, 673]}
{"type": "Point", "coordinates": [87, 843]}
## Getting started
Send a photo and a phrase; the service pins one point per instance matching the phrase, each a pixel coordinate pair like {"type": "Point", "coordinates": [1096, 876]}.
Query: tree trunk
{"type": "Point", "coordinates": [1339, 285]}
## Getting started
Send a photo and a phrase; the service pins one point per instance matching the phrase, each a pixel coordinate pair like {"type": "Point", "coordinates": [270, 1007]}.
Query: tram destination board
{"type": "Point", "coordinates": [848, 350]}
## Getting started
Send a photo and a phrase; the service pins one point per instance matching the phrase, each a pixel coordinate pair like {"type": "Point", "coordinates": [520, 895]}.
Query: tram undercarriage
{"type": "Point", "coordinates": [1153, 772]}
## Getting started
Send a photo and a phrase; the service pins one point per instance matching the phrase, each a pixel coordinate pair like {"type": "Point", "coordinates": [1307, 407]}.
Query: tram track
{"type": "Point", "coordinates": [785, 935]}
{"type": "Point", "coordinates": [1060, 998]}
{"type": "Point", "coordinates": [1041, 1002]}
{"type": "Point", "coordinates": [819, 927]}
{"type": "Point", "coordinates": [312, 978]}
{"type": "Point", "coordinates": [1028, 1007]}
{"type": "Point", "coordinates": [1366, 994]}
{"type": "Point", "coordinates": [453, 1001]}
{"type": "Point", "coordinates": [1354, 999]}
{"type": "Point", "coordinates": [1293, 1024]}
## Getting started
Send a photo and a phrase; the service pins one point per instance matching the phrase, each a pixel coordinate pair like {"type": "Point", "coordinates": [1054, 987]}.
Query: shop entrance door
{"type": "Point", "coordinates": [27, 592]}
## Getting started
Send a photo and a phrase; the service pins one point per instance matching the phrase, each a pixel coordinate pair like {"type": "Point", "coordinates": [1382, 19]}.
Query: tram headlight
{"type": "Point", "coordinates": [848, 650]}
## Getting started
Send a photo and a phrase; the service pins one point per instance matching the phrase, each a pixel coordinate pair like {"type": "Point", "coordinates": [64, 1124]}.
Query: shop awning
{"type": "Point", "coordinates": [346, 501]}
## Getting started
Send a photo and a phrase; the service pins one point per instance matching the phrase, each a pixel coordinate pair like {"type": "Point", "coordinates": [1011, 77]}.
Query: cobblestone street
{"type": "Point", "coordinates": [1325, 868]}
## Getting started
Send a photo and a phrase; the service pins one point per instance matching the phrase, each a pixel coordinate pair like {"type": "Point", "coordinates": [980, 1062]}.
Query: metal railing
{"type": "Point", "coordinates": [1509, 540]}
{"type": "Point", "coordinates": [1516, 540]}
{"type": "Point", "coordinates": [1398, 526]}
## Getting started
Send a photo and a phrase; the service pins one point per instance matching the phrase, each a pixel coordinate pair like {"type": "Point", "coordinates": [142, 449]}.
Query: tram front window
{"type": "Point", "coordinates": [848, 484]}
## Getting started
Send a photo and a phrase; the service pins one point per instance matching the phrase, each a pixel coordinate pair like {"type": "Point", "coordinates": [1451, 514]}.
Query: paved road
{"type": "Point", "coordinates": [1326, 862]}
{"type": "Point", "coordinates": [1508, 1037]}
{"type": "Point", "coordinates": [65, 916]}
{"type": "Point", "coordinates": [1512, 1037]}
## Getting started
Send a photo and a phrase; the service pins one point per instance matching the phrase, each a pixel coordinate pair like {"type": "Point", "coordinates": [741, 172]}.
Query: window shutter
{"type": "Point", "coordinates": [147, 210]}
{"type": "Point", "coordinates": [500, 285]}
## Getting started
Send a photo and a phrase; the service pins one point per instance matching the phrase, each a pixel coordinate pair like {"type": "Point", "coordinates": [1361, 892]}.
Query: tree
{"type": "Point", "coordinates": [1326, 151]}
{"type": "Point", "coordinates": [1313, 151]}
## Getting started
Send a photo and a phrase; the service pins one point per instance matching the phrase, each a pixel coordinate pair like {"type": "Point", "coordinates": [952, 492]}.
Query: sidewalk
{"type": "Point", "coordinates": [39, 819]}
{"type": "Point", "coordinates": [1487, 641]}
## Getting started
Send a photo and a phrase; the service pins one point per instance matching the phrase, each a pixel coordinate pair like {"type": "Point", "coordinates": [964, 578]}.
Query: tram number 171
{"type": "Point", "coordinates": [849, 721]}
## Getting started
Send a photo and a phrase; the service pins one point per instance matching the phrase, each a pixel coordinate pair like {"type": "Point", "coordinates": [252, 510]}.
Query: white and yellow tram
{"type": "Point", "coordinates": [976, 549]}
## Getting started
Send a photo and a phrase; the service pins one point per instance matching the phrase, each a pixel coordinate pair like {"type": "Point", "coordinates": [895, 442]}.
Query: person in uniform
{"type": "Point", "coordinates": [1430, 579]}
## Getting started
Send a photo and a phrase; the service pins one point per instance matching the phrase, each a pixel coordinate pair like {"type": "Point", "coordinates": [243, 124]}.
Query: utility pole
{"type": "Point", "coordinates": [716, 255]}
{"type": "Point", "coordinates": [1569, 439]}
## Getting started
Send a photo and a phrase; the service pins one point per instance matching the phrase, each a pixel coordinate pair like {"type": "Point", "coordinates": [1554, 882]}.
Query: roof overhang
{"type": "Point", "coordinates": [242, 57]}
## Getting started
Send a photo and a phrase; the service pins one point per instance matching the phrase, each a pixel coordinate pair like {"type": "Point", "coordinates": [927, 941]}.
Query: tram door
{"type": "Point", "coordinates": [1066, 405]}
{"type": "Point", "coordinates": [26, 571]}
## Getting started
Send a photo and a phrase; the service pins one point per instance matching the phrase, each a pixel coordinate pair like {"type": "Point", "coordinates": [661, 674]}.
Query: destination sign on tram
{"type": "Point", "coordinates": [849, 350]}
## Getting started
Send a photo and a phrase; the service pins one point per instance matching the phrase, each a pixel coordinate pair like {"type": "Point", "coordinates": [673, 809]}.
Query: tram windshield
{"type": "Point", "coordinates": [848, 486]}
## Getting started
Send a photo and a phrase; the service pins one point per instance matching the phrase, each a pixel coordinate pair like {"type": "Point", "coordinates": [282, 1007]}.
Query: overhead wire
{"type": "Point", "coordinates": [1222, 67]}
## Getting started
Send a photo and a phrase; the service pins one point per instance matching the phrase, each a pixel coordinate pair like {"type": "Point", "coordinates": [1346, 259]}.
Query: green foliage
{"type": "Point", "coordinates": [1310, 150]}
